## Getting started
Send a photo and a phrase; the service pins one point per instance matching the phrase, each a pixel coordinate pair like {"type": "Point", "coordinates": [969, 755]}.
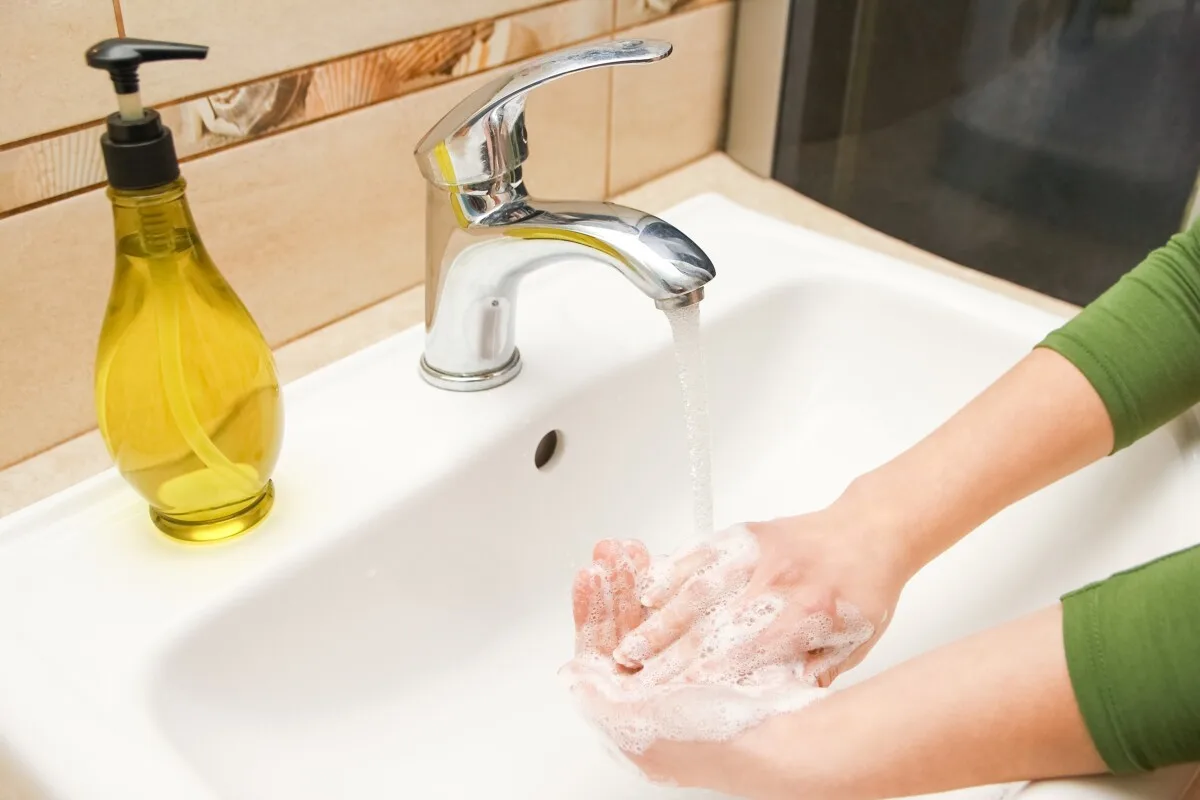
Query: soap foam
{"type": "Point", "coordinates": [732, 670]}
{"type": "Point", "coordinates": [634, 715]}
{"type": "Point", "coordinates": [719, 567]}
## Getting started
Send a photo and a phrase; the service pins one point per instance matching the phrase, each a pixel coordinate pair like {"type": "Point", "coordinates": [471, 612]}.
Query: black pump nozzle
{"type": "Point", "coordinates": [138, 151]}
{"type": "Point", "coordinates": [122, 57]}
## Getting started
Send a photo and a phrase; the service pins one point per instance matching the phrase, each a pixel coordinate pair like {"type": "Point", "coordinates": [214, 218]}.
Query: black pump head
{"type": "Point", "coordinates": [122, 57]}
{"type": "Point", "coordinates": [138, 150]}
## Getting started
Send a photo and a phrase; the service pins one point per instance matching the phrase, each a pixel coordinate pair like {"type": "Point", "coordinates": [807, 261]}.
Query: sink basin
{"type": "Point", "coordinates": [393, 628]}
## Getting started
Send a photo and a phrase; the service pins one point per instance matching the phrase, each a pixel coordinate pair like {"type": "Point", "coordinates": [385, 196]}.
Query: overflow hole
{"type": "Point", "coordinates": [547, 449]}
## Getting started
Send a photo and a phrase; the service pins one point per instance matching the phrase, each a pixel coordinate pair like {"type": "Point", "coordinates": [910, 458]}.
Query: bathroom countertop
{"type": "Point", "coordinates": [79, 458]}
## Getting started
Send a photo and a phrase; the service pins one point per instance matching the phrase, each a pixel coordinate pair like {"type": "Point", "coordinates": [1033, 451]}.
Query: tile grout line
{"type": "Point", "coordinates": [45, 201]}
{"type": "Point", "coordinates": [610, 117]}
{"type": "Point", "coordinates": [119, 17]}
{"type": "Point", "coordinates": [608, 135]}
{"type": "Point", "coordinates": [54, 134]}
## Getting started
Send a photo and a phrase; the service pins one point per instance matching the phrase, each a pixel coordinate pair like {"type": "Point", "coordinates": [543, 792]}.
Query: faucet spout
{"type": "Point", "coordinates": [483, 233]}
{"type": "Point", "coordinates": [482, 244]}
{"type": "Point", "coordinates": [652, 254]}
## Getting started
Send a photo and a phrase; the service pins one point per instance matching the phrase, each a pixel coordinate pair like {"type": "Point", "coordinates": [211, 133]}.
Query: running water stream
{"type": "Point", "coordinates": [689, 359]}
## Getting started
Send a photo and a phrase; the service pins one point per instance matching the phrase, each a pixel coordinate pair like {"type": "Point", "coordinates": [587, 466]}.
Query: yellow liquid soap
{"type": "Point", "coordinates": [187, 396]}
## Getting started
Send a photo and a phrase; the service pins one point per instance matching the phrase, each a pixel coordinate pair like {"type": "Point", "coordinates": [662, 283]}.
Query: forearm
{"type": "Point", "coordinates": [1125, 365]}
{"type": "Point", "coordinates": [992, 708]}
{"type": "Point", "coordinates": [1039, 422]}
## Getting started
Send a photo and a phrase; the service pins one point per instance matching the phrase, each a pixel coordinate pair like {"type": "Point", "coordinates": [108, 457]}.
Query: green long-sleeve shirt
{"type": "Point", "coordinates": [1133, 640]}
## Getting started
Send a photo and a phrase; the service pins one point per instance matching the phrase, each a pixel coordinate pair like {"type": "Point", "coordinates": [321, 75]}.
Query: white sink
{"type": "Point", "coordinates": [393, 629]}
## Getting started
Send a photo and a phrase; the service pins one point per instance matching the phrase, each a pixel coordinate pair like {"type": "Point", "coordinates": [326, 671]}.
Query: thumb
{"type": "Point", "coordinates": [840, 661]}
{"type": "Point", "coordinates": [828, 676]}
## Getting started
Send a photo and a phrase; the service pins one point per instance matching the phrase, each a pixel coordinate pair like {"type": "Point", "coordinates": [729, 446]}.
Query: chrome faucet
{"type": "Point", "coordinates": [483, 232]}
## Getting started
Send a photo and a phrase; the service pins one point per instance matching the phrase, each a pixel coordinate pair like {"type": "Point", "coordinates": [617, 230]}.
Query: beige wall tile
{"type": "Point", "coordinates": [44, 84]}
{"type": "Point", "coordinates": [48, 167]}
{"type": "Point", "coordinates": [542, 29]}
{"type": "Point", "coordinates": [568, 137]}
{"type": "Point", "coordinates": [252, 39]}
{"type": "Point", "coordinates": [308, 226]}
{"type": "Point", "coordinates": [56, 269]}
{"type": "Point", "coordinates": [667, 114]}
{"type": "Point", "coordinates": [637, 12]}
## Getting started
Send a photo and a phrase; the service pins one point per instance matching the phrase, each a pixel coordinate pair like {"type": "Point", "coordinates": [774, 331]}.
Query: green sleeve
{"type": "Point", "coordinates": [1139, 343]}
{"type": "Point", "coordinates": [1133, 652]}
{"type": "Point", "coordinates": [1133, 641]}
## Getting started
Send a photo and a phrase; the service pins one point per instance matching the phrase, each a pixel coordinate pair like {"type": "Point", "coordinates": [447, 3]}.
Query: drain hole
{"type": "Point", "coordinates": [547, 449]}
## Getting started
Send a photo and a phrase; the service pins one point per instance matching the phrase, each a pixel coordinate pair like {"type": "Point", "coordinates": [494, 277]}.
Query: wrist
{"type": "Point", "coordinates": [891, 522]}
{"type": "Point", "coordinates": [786, 757]}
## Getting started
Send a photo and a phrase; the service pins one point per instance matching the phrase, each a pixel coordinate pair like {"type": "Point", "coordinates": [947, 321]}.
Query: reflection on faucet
{"type": "Point", "coordinates": [484, 233]}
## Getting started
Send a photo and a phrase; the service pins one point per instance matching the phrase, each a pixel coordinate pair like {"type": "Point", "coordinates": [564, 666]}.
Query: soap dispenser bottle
{"type": "Point", "coordinates": [187, 396]}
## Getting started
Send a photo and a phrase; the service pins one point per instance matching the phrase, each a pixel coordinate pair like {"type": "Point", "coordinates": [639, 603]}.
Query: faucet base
{"type": "Point", "coordinates": [474, 382]}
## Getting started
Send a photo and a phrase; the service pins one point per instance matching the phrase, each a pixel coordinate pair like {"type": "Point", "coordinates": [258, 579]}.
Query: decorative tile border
{"type": "Point", "coordinates": [51, 167]}
{"type": "Point", "coordinates": [47, 168]}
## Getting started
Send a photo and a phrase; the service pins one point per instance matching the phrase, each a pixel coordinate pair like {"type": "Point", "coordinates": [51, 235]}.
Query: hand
{"type": "Point", "coordinates": [679, 719]}
{"type": "Point", "coordinates": [827, 583]}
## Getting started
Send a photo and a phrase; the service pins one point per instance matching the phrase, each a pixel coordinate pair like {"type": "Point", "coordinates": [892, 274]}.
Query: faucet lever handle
{"type": "Point", "coordinates": [483, 138]}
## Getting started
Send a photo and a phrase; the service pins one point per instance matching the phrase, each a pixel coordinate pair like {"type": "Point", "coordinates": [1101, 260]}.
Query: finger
{"type": "Point", "coordinates": [824, 665]}
{"type": "Point", "coordinates": [586, 611]}
{"type": "Point", "coordinates": [666, 625]}
{"type": "Point", "coordinates": [606, 614]}
{"type": "Point", "coordinates": [842, 638]}
{"type": "Point", "coordinates": [639, 557]}
{"type": "Point", "coordinates": [733, 546]}
{"type": "Point", "coordinates": [636, 552]}
{"type": "Point", "coordinates": [666, 576]}
{"type": "Point", "coordinates": [581, 598]}
{"type": "Point", "coordinates": [794, 631]}
{"type": "Point", "coordinates": [674, 661]}
{"type": "Point", "coordinates": [606, 552]}
{"type": "Point", "coordinates": [765, 631]}
{"type": "Point", "coordinates": [597, 635]}
{"type": "Point", "coordinates": [627, 609]}
{"type": "Point", "coordinates": [842, 657]}
{"type": "Point", "coordinates": [740, 643]}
